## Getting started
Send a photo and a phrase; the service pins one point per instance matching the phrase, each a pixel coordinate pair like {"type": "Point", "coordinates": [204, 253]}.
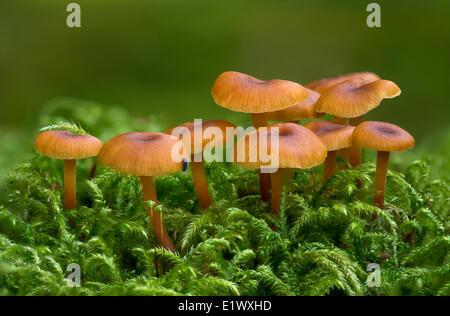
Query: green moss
{"type": "Point", "coordinates": [324, 237]}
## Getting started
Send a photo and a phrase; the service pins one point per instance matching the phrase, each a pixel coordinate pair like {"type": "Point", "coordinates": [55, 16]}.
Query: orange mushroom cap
{"type": "Point", "coordinates": [301, 110]}
{"type": "Point", "coordinates": [355, 97]}
{"type": "Point", "coordinates": [243, 93]}
{"type": "Point", "coordinates": [298, 147]}
{"type": "Point", "coordinates": [140, 154]}
{"type": "Point", "coordinates": [382, 136]}
{"type": "Point", "coordinates": [205, 139]}
{"type": "Point", "coordinates": [334, 136]}
{"type": "Point", "coordinates": [323, 84]}
{"type": "Point", "coordinates": [67, 146]}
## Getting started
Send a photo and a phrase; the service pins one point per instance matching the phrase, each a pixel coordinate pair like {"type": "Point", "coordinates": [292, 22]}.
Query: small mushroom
{"type": "Point", "coordinates": [334, 137]}
{"type": "Point", "coordinates": [352, 99]}
{"type": "Point", "coordinates": [145, 155]}
{"type": "Point", "coordinates": [197, 143]}
{"type": "Point", "coordinates": [300, 111]}
{"type": "Point", "coordinates": [243, 93]}
{"type": "Point", "coordinates": [323, 84]}
{"type": "Point", "coordinates": [69, 147]}
{"type": "Point", "coordinates": [384, 138]}
{"type": "Point", "coordinates": [298, 147]}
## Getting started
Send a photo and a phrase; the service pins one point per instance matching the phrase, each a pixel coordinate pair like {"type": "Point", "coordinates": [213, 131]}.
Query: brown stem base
{"type": "Point", "coordinates": [264, 186]}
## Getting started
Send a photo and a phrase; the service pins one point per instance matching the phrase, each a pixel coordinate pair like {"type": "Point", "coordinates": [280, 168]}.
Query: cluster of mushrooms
{"type": "Point", "coordinates": [347, 98]}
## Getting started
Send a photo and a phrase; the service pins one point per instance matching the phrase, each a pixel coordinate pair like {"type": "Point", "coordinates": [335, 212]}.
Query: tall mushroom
{"type": "Point", "coordinates": [384, 138]}
{"type": "Point", "coordinates": [68, 147]}
{"type": "Point", "coordinates": [334, 137]}
{"type": "Point", "coordinates": [243, 93]}
{"type": "Point", "coordinates": [298, 147]}
{"type": "Point", "coordinates": [197, 140]}
{"type": "Point", "coordinates": [145, 155]}
{"type": "Point", "coordinates": [352, 99]}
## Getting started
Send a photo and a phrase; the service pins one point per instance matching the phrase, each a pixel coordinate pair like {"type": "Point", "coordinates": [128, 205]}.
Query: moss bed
{"type": "Point", "coordinates": [323, 242]}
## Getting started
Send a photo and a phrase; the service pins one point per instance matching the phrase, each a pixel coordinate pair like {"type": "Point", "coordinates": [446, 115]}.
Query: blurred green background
{"type": "Point", "coordinates": [161, 57]}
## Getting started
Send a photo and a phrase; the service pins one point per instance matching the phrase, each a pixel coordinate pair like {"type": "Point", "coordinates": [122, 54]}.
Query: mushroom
{"type": "Point", "coordinates": [196, 143]}
{"type": "Point", "coordinates": [69, 147]}
{"type": "Point", "coordinates": [334, 137]}
{"type": "Point", "coordinates": [352, 99]}
{"type": "Point", "coordinates": [323, 84]}
{"type": "Point", "coordinates": [301, 110]}
{"type": "Point", "coordinates": [298, 147]}
{"type": "Point", "coordinates": [145, 155]}
{"type": "Point", "coordinates": [243, 93]}
{"type": "Point", "coordinates": [384, 138]}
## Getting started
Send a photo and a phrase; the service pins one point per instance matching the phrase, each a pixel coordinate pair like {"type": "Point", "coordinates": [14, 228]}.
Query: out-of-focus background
{"type": "Point", "coordinates": [159, 58]}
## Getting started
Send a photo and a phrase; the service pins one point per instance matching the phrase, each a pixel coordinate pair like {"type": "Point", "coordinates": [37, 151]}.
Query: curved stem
{"type": "Point", "coordinates": [380, 178]}
{"type": "Point", "coordinates": [199, 180]}
{"type": "Point", "coordinates": [155, 217]}
{"type": "Point", "coordinates": [329, 165]}
{"type": "Point", "coordinates": [264, 178]}
{"type": "Point", "coordinates": [355, 150]}
{"type": "Point", "coordinates": [93, 170]}
{"type": "Point", "coordinates": [70, 184]}
{"type": "Point", "coordinates": [277, 186]}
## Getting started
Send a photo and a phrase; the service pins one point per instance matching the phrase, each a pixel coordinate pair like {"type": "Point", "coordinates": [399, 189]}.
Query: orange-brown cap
{"type": "Point", "coordinates": [298, 147]}
{"type": "Point", "coordinates": [382, 136]}
{"type": "Point", "coordinates": [301, 110]}
{"type": "Point", "coordinates": [67, 146]}
{"type": "Point", "coordinates": [323, 84]}
{"type": "Point", "coordinates": [243, 93]}
{"type": "Point", "coordinates": [207, 135]}
{"type": "Point", "coordinates": [140, 154]}
{"type": "Point", "coordinates": [355, 97]}
{"type": "Point", "coordinates": [334, 136]}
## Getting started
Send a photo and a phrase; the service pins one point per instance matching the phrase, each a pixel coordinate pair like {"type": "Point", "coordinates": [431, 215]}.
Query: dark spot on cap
{"type": "Point", "coordinates": [387, 130]}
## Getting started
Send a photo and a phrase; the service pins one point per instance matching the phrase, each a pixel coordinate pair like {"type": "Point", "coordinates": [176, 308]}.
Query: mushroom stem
{"type": "Point", "coordinates": [199, 180]}
{"type": "Point", "coordinates": [339, 120]}
{"type": "Point", "coordinates": [70, 184]}
{"type": "Point", "coordinates": [355, 150]}
{"type": "Point", "coordinates": [277, 186]}
{"type": "Point", "coordinates": [329, 165]}
{"type": "Point", "coordinates": [314, 178]}
{"type": "Point", "coordinates": [380, 178]}
{"type": "Point", "coordinates": [93, 170]}
{"type": "Point", "coordinates": [264, 178]}
{"type": "Point", "coordinates": [344, 153]}
{"type": "Point", "coordinates": [259, 120]}
{"type": "Point", "coordinates": [155, 218]}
